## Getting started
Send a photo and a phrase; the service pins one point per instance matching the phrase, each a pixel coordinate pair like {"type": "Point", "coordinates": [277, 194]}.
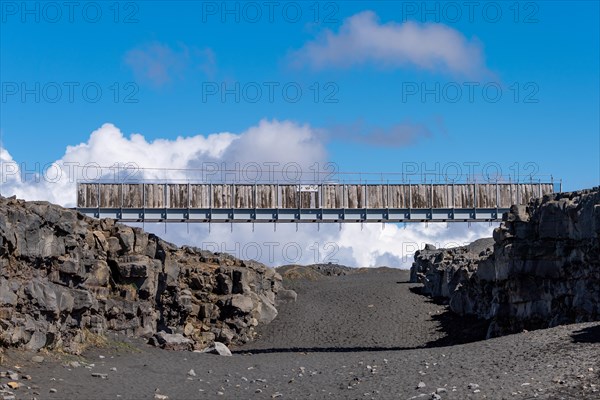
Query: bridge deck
{"type": "Point", "coordinates": [205, 202]}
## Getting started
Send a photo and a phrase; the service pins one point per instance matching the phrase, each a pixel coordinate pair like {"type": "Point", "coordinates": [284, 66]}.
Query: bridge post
{"type": "Point", "coordinates": [122, 200]}
{"type": "Point", "coordinates": [475, 199]}
{"type": "Point", "coordinates": [210, 203]}
{"type": "Point", "coordinates": [166, 202]}
{"type": "Point", "coordinates": [254, 197]}
{"type": "Point", "coordinates": [497, 198]}
{"type": "Point", "coordinates": [431, 196]}
{"type": "Point", "coordinates": [453, 202]}
{"type": "Point", "coordinates": [409, 199]}
{"type": "Point", "coordinates": [320, 194]}
{"type": "Point", "coordinates": [389, 199]}
{"type": "Point", "coordinates": [189, 200]}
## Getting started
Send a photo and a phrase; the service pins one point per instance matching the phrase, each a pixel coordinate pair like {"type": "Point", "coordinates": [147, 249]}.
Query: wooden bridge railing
{"type": "Point", "coordinates": [319, 196]}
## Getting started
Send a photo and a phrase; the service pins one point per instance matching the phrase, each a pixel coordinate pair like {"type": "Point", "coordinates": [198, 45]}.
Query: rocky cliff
{"type": "Point", "coordinates": [66, 278]}
{"type": "Point", "coordinates": [543, 269]}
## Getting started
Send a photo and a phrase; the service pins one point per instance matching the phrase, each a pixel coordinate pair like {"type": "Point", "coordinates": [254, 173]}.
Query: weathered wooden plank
{"type": "Point", "coordinates": [463, 196]}
{"type": "Point", "coordinates": [442, 196]}
{"type": "Point", "coordinates": [244, 196]}
{"type": "Point", "coordinates": [288, 196]}
{"type": "Point", "coordinates": [133, 196]}
{"type": "Point", "coordinates": [222, 195]}
{"type": "Point", "coordinates": [88, 195]}
{"type": "Point", "coordinates": [377, 196]}
{"type": "Point", "coordinates": [155, 195]}
{"type": "Point", "coordinates": [266, 196]}
{"type": "Point", "coordinates": [110, 195]}
{"type": "Point", "coordinates": [332, 196]}
{"type": "Point", "coordinates": [355, 196]}
{"type": "Point", "coordinates": [420, 196]}
{"type": "Point", "coordinates": [200, 196]}
{"type": "Point", "coordinates": [398, 196]}
{"type": "Point", "coordinates": [178, 195]}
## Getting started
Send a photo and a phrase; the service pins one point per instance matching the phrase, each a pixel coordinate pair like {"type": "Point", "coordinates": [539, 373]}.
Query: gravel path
{"type": "Point", "coordinates": [359, 336]}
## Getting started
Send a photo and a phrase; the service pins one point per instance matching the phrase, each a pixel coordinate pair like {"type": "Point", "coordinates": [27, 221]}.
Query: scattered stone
{"type": "Point", "coordinates": [37, 359]}
{"type": "Point", "coordinates": [171, 341]}
{"type": "Point", "coordinates": [53, 390]}
{"type": "Point", "coordinates": [99, 375]}
{"type": "Point", "coordinates": [218, 348]}
{"type": "Point", "coordinates": [74, 364]}
{"type": "Point", "coordinates": [473, 386]}
{"type": "Point", "coordinates": [421, 385]}
{"type": "Point", "coordinates": [191, 372]}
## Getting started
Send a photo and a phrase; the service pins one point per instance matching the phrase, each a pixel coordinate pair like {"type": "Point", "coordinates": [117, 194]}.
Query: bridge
{"type": "Point", "coordinates": [303, 203]}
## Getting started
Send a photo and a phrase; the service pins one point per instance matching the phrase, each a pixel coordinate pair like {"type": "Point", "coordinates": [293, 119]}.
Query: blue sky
{"type": "Point", "coordinates": [553, 47]}
{"type": "Point", "coordinates": [393, 80]}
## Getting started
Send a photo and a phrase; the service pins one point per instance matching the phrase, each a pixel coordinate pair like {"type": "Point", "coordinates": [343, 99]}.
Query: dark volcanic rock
{"type": "Point", "coordinates": [65, 278]}
{"type": "Point", "coordinates": [315, 271]}
{"type": "Point", "coordinates": [544, 269]}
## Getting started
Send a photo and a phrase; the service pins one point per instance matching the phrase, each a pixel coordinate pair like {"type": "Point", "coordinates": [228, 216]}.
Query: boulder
{"type": "Point", "coordinates": [171, 341]}
{"type": "Point", "coordinates": [219, 349]}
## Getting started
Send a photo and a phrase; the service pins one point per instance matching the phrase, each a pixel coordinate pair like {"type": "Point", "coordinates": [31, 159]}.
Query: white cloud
{"type": "Point", "coordinates": [160, 64]}
{"type": "Point", "coordinates": [362, 39]}
{"type": "Point", "coordinates": [278, 141]}
{"type": "Point", "coordinates": [369, 246]}
{"type": "Point", "coordinates": [273, 141]}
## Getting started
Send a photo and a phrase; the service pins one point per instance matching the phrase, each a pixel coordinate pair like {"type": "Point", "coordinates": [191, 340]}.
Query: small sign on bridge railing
{"type": "Point", "coordinates": [308, 188]}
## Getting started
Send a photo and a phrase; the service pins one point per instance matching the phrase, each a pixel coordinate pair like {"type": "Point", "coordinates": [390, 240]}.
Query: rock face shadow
{"type": "Point", "coordinates": [590, 334]}
{"type": "Point", "coordinates": [456, 329]}
{"type": "Point", "coordinates": [459, 330]}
